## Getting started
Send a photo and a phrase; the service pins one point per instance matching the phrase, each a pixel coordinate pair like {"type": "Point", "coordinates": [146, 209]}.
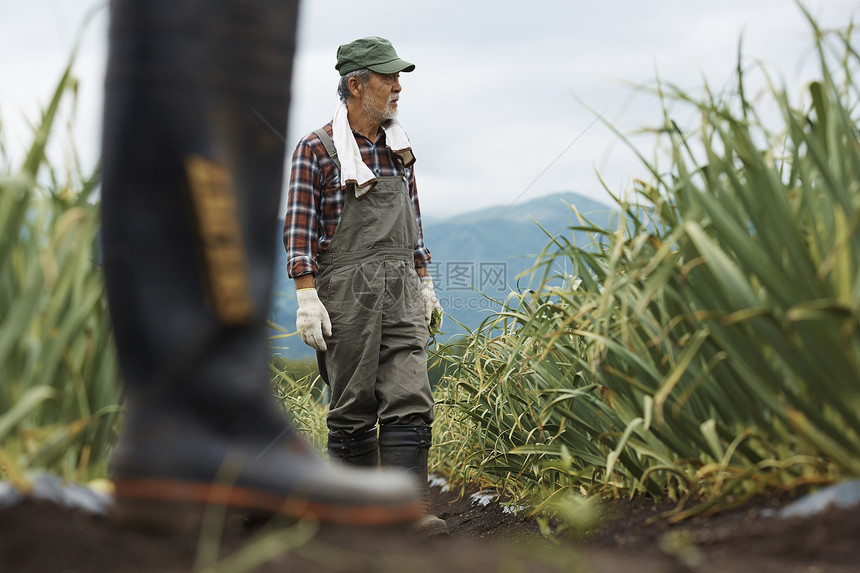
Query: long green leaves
{"type": "Point", "coordinates": [302, 393]}
{"type": "Point", "coordinates": [60, 388]}
{"type": "Point", "coordinates": [707, 344]}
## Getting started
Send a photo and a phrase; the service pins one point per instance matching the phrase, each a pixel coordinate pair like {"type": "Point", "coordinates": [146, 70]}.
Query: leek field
{"type": "Point", "coordinates": [704, 348]}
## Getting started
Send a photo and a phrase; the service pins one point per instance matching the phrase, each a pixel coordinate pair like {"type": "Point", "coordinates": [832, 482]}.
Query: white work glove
{"type": "Point", "coordinates": [312, 321]}
{"type": "Point", "coordinates": [431, 303]}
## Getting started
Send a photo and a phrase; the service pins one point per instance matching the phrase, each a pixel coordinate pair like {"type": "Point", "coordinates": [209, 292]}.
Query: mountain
{"type": "Point", "coordinates": [476, 257]}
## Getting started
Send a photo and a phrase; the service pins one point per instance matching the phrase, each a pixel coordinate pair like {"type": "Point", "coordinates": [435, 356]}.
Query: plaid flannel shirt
{"type": "Point", "coordinates": [316, 199]}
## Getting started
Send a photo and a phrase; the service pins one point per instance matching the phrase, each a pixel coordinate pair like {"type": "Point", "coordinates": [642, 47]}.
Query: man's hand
{"type": "Point", "coordinates": [431, 303]}
{"type": "Point", "coordinates": [312, 321]}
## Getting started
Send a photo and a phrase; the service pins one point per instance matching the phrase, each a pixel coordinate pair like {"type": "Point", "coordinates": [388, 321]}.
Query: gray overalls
{"type": "Point", "coordinates": [376, 358]}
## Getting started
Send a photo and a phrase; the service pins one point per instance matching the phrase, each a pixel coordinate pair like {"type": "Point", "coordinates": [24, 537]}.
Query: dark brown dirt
{"type": "Point", "coordinates": [44, 538]}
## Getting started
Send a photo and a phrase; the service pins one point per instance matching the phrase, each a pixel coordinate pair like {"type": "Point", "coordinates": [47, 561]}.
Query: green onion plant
{"type": "Point", "coordinates": [705, 348]}
{"type": "Point", "coordinates": [60, 389]}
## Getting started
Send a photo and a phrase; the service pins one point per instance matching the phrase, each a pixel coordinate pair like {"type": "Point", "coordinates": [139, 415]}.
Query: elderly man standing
{"type": "Point", "coordinates": [356, 252]}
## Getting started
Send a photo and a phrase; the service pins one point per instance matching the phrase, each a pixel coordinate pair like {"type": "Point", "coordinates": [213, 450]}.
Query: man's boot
{"type": "Point", "coordinates": [408, 447]}
{"type": "Point", "coordinates": [360, 449]}
{"type": "Point", "coordinates": [196, 104]}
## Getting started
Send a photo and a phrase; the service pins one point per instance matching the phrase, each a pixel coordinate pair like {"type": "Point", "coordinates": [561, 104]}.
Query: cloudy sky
{"type": "Point", "coordinates": [498, 106]}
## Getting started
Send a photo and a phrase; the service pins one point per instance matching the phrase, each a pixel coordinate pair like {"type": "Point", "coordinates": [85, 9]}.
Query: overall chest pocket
{"type": "Point", "coordinates": [387, 219]}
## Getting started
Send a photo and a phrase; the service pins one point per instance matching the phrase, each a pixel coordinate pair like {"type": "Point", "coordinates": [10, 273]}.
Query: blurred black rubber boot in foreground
{"type": "Point", "coordinates": [196, 103]}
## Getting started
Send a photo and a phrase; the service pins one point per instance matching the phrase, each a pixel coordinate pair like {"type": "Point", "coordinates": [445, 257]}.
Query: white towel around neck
{"type": "Point", "coordinates": [352, 168]}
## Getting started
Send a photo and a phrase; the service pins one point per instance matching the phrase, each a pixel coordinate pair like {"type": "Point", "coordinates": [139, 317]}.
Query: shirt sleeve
{"type": "Point", "coordinates": [422, 254]}
{"type": "Point", "coordinates": [301, 231]}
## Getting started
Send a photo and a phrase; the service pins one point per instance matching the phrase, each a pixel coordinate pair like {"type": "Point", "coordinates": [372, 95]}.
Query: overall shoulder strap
{"type": "Point", "coordinates": [329, 145]}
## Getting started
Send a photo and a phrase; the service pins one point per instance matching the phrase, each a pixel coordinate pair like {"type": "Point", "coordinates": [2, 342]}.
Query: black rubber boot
{"type": "Point", "coordinates": [196, 103]}
{"type": "Point", "coordinates": [360, 449]}
{"type": "Point", "coordinates": [408, 447]}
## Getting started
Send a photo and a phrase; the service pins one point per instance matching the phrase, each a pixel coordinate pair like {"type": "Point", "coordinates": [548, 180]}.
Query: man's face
{"type": "Point", "coordinates": [380, 96]}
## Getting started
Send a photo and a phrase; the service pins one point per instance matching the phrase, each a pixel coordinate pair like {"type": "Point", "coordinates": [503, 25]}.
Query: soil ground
{"type": "Point", "coordinates": [38, 537]}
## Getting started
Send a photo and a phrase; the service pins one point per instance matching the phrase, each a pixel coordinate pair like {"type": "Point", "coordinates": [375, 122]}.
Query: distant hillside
{"type": "Point", "coordinates": [476, 255]}
{"type": "Point", "coordinates": [543, 209]}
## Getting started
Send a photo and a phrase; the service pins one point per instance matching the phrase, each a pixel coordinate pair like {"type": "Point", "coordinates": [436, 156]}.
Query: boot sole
{"type": "Point", "coordinates": [166, 504]}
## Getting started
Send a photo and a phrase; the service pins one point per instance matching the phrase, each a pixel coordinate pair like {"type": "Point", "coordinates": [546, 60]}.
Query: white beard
{"type": "Point", "coordinates": [377, 114]}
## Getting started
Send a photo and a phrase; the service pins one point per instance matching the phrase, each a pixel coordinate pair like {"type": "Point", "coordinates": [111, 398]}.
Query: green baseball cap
{"type": "Point", "coordinates": [374, 53]}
